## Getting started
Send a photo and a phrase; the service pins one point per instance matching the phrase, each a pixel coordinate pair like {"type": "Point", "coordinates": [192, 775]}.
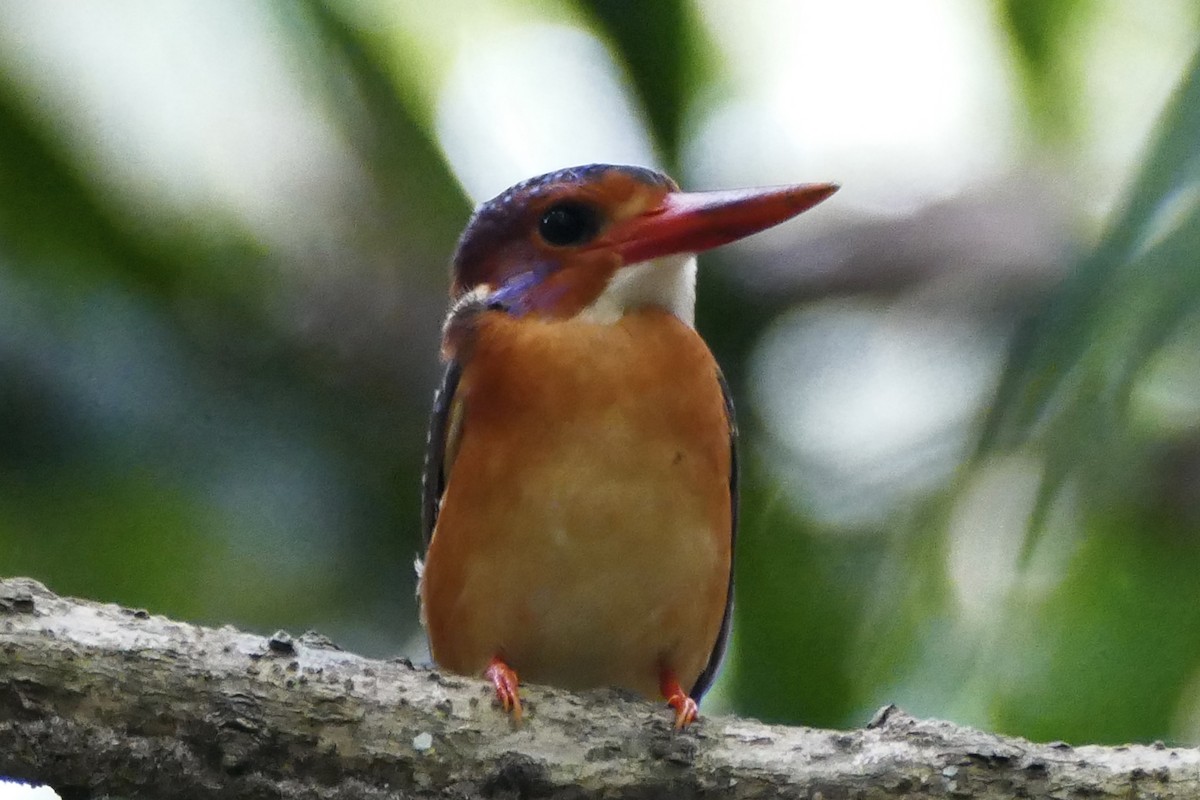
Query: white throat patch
{"type": "Point", "coordinates": [668, 283]}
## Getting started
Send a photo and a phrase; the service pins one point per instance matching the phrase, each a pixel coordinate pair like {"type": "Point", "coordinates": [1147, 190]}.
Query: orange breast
{"type": "Point", "coordinates": [585, 532]}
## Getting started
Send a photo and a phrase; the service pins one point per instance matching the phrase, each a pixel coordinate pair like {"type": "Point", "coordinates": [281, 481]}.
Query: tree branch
{"type": "Point", "coordinates": [102, 700]}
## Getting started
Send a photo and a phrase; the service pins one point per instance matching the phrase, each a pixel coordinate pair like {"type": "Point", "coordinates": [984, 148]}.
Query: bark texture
{"type": "Point", "coordinates": [102, 700]}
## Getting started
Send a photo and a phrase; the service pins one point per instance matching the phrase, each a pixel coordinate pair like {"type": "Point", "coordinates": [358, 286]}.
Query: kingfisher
{"type": "Point", "coordinates": [580, 487]}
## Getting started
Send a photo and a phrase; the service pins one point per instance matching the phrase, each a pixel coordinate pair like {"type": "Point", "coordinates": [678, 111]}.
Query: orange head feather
{"type": "Point", "coordinates": [550, 246]}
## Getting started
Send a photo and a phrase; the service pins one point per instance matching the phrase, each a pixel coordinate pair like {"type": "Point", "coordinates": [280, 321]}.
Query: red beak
{"type": "Point", "coordinates": [689, 222]}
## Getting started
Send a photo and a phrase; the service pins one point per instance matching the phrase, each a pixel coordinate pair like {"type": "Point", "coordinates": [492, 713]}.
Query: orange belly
{"type": "Point", "coordinates": [585, 532]}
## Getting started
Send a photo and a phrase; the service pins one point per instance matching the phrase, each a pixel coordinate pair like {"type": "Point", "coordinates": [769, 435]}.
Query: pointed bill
{"type": "Point", "coordinates": [690, 222]}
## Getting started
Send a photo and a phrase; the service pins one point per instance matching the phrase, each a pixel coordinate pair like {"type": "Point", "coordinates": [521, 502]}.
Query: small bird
{"type": "Point", "coordinates": [580, 488]}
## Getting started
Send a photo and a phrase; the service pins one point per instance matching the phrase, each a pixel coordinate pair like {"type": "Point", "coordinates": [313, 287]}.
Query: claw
{"type": "Point", "coordinates": [505, 681]}
{"type": "Point", "coordinates": [686, 709]}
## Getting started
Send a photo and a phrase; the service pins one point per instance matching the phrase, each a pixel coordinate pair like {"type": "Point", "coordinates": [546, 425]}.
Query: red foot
{"type": "Point", "coordinates": [505, 681]}
{"type": "Point", "coordinates": [686, 709]}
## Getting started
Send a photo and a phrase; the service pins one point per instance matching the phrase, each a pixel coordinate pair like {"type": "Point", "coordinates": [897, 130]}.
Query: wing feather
{"type": "Point", "coordinates": [718, 652]}
{"type": "Point", "coordinates": [445, 424]}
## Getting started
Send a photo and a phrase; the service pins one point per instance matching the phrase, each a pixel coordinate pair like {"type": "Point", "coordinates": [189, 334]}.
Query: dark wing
{"type": "Point", "coordinates": [718, 652]}
{"type": "Point", "coordinates": [439, 448]}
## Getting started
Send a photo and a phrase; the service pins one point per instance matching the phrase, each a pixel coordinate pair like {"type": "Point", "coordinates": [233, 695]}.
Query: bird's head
{"type": "Point", "coordinates": [599, 240]}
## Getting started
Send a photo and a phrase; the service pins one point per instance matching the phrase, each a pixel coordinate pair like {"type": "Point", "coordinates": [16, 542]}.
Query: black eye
{"type": "Point", "coordinates": [566, 224]}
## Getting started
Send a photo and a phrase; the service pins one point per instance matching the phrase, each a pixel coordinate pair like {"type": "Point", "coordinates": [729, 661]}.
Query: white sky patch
{"type": "Point", "coordinates": [907, 103]}
{"type": "Point", "coordinates": [526, 99]}
{"type": "Point", "coordinates": [1131, 60]}
{"type": "Point", "coordinates": [901, 102]}
{"type": "Point", "coordinates": [872, 407]}
{"type": "Point", "coordinates": [22, 791]}
{"type": "Point", "coordinates": [987, 530]}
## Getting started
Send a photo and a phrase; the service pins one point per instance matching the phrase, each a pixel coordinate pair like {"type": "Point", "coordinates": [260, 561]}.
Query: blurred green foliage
{"type": "Point", "coordinates": [170, 438]}
{"type": "Point", "coordinates": [1042, 35]}
{"type": "Point", "coordinates": [1121, 616]}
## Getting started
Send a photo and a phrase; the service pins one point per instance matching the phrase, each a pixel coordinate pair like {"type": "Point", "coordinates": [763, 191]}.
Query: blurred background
{"type": "Point", "coordinates": [969, 384]}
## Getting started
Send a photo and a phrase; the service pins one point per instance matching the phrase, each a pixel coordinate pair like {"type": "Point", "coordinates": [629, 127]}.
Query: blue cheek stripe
{"type": "Point", "coordinates": [517, 295]}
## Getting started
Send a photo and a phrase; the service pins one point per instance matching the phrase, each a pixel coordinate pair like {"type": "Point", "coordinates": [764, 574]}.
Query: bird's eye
{"type": "Point", "coordinates": [566, 224]}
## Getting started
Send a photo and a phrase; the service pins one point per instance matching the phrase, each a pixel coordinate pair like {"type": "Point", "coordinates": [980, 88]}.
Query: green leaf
{"type": "Point", "coordinates": [1043, 33]}
{"type": "Point", "coordinates": [1072, 370]}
